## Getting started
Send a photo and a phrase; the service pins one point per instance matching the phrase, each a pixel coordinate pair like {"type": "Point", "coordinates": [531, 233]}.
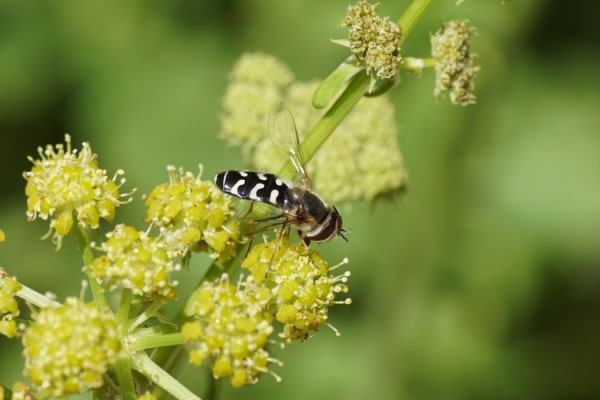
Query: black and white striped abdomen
{"type": "Point", "coordinates": [256, 186]}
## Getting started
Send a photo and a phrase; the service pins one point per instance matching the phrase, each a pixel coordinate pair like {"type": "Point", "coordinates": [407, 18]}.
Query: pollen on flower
{"type": "Point", "coordinates": [68, 349]}
{"type": "Point", "coordinates": [455, 68]}
{"type": "Point", "coordinates": [66, 185]}
{"type": "Point", "coordinates": [9, 308]}
{"type": "Point", "coordinates": [301, 285]}
{"type": "Point", "coordinates": [235, 327]}
{"type": "Point", "coordinates": [136, 261]}
{"type": "Point", "coordinates": [373, 40]}
{"type": "Point", "coordinates": [191, 213]}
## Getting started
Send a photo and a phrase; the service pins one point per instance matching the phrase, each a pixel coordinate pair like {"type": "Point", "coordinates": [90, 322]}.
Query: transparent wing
{"type": "Point", "coordinates": [284, 135]}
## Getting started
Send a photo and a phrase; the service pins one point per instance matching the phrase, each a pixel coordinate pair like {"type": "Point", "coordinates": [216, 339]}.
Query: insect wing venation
{"type": "Point", "coordinates": [284, 136]}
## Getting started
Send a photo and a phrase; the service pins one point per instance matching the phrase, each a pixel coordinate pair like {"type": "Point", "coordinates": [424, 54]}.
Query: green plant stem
{"type": "Point", "coordinates": [35, 298]}
{"type": "Point", "coordinates": [416, 65]}
{"type": "Point", "coordinates": [82, 236]}
{"type": "Point", "coordinates": [153, 372]}
{"type": "Point", "coordinates": [411, 16]}
{"type": "Point", "coordinates": [122, 368]}
{"type": "Point", "coordinates": [149, 342]}
{"type": "Point", "coordinates": [330, 120]}
{"type": "Point", "coordinates": [124, 306]}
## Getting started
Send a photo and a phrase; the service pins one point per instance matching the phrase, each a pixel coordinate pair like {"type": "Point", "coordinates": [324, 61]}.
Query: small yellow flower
{"type": "Point", "coordinates": [373, 40]}
{"type": "Point", "coordinates": [69, 348]}
{"type": "Point", "coordinates": [192, 214]}
{"type": "Point", "coordinates": [134, 260]}
{"type": "Point", "coordinates": [9, 308]}
{"type": "Point", "coordinates": [301, 285]}
{"type": "Point", "coordinates": [233, 327]}
{"type": "Point", "coordinates": [455, 68]}
{"type": "Point", "coordinates": [66, 186]}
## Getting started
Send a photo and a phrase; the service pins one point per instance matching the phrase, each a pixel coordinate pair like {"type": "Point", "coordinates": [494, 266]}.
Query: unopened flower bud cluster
{"type": "Point", "coordinates": [373, 40]}
{"type": "Point", "coordinates": [455, 68]}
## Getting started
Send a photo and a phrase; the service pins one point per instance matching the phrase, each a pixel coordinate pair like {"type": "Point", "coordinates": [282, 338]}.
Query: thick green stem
{"type": "Point", "coordinates": [413, 14]}
{"type": "Point", "coordinates": [122, 368]}
{"type": "Point", "coordinates": [150, 370]}
{"type": "Point", "coordinates": [82, 236]}
{"type": "Point", "coordinates": [150, 342]}
{"type": "Point", "coordinates": [330, 120]}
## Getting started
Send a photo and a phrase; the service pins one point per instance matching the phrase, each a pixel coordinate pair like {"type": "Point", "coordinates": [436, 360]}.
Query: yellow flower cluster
{"type": "Point", "coordinates": [69, 348]}
{"type": "Point", "coordinates": [193, 214]}
{"type": "Point", "coordinates": [233, 327]}
{"type": "Point", "coordinates": [455, 68]}
{"type": "Point", "coordinates": [301, 287]}
{"type": "Point", "coordinates": [66, 185]}
{"type": "Point", "coordinates": [9, 307]}
{"type": "Point", "coordinates": [136, 261]}
{"type": "Point", "coordinates": [373, 40]}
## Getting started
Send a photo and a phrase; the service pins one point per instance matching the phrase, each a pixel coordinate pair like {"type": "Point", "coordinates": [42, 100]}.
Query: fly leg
{"type": "Point", "coordinates": [279, 239]}
{"type": "Point", "coordinates": [306, 242]}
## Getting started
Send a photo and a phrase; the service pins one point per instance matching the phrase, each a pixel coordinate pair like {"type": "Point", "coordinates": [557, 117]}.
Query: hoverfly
{"type": "Point", "coordinates": [296, 203]}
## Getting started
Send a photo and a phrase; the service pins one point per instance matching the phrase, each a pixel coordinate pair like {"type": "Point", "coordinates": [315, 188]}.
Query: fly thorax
{"type": "Point", "coordinates": [315, 207]}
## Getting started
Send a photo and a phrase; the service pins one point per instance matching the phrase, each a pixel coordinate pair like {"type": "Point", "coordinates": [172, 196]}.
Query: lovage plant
{"type": "Point", "coordinates": [121, 343]}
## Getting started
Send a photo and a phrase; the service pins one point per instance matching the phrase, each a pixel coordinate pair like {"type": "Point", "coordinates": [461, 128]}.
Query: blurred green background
{"type": "Point", "coordinates": [482, 282]}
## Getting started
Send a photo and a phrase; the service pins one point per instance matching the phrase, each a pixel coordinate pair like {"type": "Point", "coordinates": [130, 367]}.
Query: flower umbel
{"type": "Point", "coordinates": [373, 40]}
{"type": "Point", "coordinates": [233, 327]}
{"type": "Point", "coordinates": [193, 214]}
{"type": "Point", "coordinates": [69, 348]}
{"type": "Point", "coordinates": [67, 186]}
{"type": "Point", "coordinates": [136, 261]}
{"type": "Point", "coordinates": [455, 68]}
{"type": "Point", "coordinates": [301, 286]}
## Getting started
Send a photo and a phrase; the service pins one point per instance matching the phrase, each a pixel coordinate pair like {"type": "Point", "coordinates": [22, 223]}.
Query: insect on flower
{"type": "Point", "coordinates": [297, 204]}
